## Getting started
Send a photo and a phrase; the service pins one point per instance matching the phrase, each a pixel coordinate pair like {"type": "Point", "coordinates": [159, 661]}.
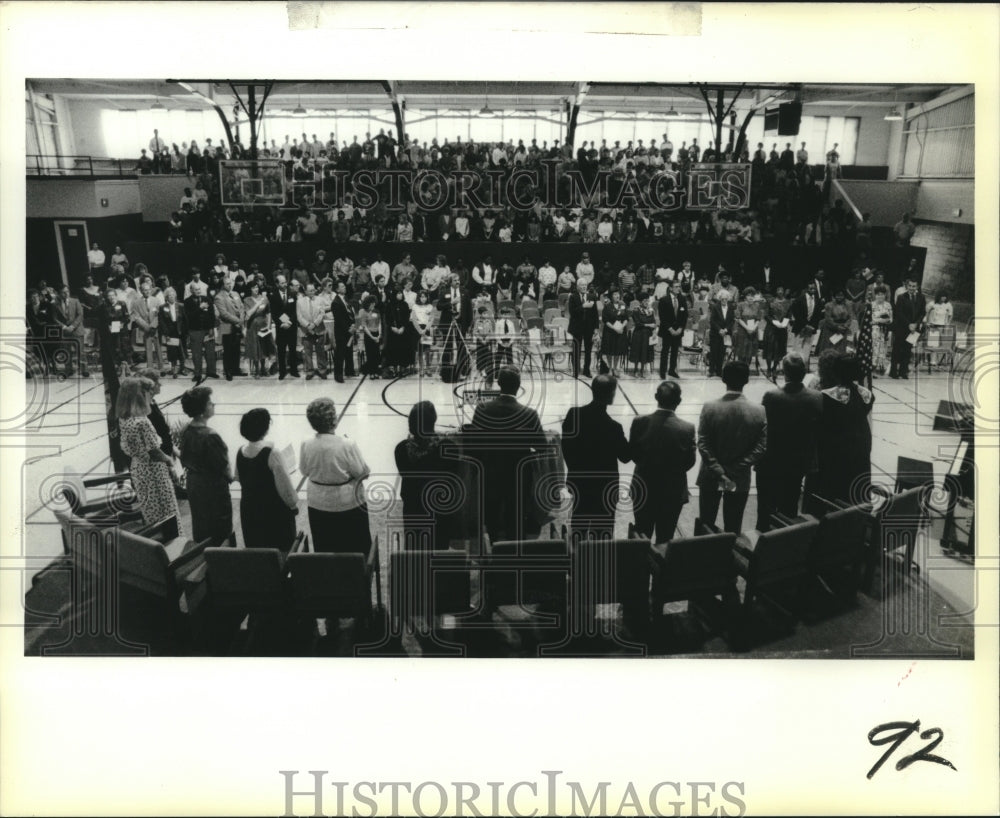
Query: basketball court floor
{"type": "Point", "coordinates": [68, 433]}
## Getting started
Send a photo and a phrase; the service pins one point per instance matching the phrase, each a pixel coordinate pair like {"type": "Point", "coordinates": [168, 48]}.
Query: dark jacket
{"type": "Point", "coordinates": [670, 319]}
{"type": "Point", "coordinates": [200, 313]}
{"type": "Point", "coordinates": [284, 305]}
{"type": "Point", "coordinates": [582, 320]}
{"type": "Point", "coordinates": [663, 448]}
{"type": "Point", "coordinates": [793, 414]}
{"type": "Point", "coordinates": [800, 317]}
{"type": "Point", "coordinates": [908, 311]}
{"type": "Point", "coordinates": [343, 319]}
{"type": "Point", "coordinates": [462, 315]}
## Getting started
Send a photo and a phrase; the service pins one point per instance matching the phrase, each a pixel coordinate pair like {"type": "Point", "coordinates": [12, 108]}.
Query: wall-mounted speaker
{"type": "Point", "coordinates": [784, 119]}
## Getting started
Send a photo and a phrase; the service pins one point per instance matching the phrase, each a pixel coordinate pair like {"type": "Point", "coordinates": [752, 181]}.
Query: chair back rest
{"type": "Point", "coordinates": [840, 538]}
{"type": "Point", "coordinates": [535, 322]}
{"type": "Point", "coordinates": [901, 517]}
{"type": "Point", "coordinates": [505, 304]}
{"type": "Point", "coordinates": [143, 563]}
{"type": "Point", "coordinates": [912, 473]}
{"type": "Point", "coordinates": [529, 312]}
{"type": "Point", "coordinates": [524, 575]}
{"type": "Point", "coordinates": [245, 578]}
{"type": "Point", "coordinates": [782, 553]}
{"type": "Point", "coordinates": [428, 583]}
{"type": "Point", "coordinates": [550, 304]}
{"type": "Point", "coordinates": [325, 583]}
{"type": "Point", "coordinates": [697, 565]}
{"type": "Point", "coordinates": [605, 571]}
{"type": "Point", "coordinates": [551, 314]}
{"type": "Point", "coordinates": [83, 542]}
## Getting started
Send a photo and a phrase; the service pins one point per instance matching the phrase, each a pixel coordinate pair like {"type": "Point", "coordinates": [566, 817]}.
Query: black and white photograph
{"type": "Point", "coordinates": [451, 387]}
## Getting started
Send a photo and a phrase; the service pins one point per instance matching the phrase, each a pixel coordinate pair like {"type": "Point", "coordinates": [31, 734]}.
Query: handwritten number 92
{"type": "Point", "coordinates": [894, 733]}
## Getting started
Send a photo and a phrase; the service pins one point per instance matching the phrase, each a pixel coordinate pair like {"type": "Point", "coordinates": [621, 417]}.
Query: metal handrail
{"type": "Point", "coordinates": [47, 164]}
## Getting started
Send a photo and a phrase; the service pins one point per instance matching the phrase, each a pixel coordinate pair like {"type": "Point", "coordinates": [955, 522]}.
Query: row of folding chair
{"type": "Point", "coordinates": [264, 583]}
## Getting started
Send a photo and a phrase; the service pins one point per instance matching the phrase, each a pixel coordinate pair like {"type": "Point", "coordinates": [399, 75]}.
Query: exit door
{"type": "Point", "coordinates": [73, 244]}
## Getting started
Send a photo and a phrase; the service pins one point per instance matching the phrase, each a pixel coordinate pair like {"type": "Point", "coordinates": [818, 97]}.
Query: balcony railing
{"type": "Point", "coordinates": [79, 166]}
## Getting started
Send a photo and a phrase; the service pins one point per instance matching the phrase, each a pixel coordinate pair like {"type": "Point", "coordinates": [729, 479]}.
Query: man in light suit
{"type": "Point", "coordinates": [806, 313]}
{"type": "Point", "coordinates": [145, 320]}
{"type": "Point", "coordinates": [793, 416]}
{"type": "Point", "coordinates": [732, 437]}
{"type": "Point", "coordinates": [673, 319]}
{"type": "Point", "coordinates": [68, 314]}
{"type": "Point", "coordinates": [310, 312]}
{"type": "Point", "coordinates": [507, 437]}
{"type": "Point", "coordinates": [663, 448]}
{"type": "Point", "coordinates": [229, 308]}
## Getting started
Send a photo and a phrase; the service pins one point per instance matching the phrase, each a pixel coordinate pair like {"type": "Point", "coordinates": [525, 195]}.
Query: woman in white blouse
{"type": "Point", "coordinates": [940, 317]}
{"type": "Point", "coordinates": [422, 318]}
{"type": "Point", "coordinates": [338, 514]}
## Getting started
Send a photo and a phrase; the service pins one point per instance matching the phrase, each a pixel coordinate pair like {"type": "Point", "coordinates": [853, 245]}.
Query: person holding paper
{"type": "Point", "coordinates": [614, 344]}
{"type": "Point", "coordinates": [259, 342]}
{"type": "Point", "coordinates": [269, 503]}
{"type": "Point", "coordinates": [835, 328]}
{"type": "Point", "coordinates": [881, 328]}
{"type": "Point", "coordinates": [113, 324]}
{"type": "Point", "coordinates": [805, 317]}
{"type": "Point", "coordinates": [172, 326]}
{"type": "Point", "coordinates": [908, 318]}
{"type": "Point", "coordinates": [721, 321]}
{"type": "Point", "coordinates": [776, 319]}
{"type": "Point", "coordinates": [749, 314]}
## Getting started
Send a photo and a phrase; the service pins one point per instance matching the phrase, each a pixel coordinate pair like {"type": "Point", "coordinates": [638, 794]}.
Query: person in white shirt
{"type": "Point", "coordinates": [484, 276]}
{"type": "Point", "coordinates": [96, 258]}
{"type": "Point", "coordinates": [379, 268]}
{"type": "Point", "coordinates": [157, 143]}
{"type": "Point", "coordinates": [585, 270]}
{"type": "Point", "coordinates": [310, 311]}
{"type": "Point", "coordinates": [547, 280]}
{"type": "Point", "coordinates": [338, 515]}
{"type": "Point", "coordinates": [505, 334]}
{"type": "Point", "coordinates": [195, 286]}
{"type": "Point", "coordinates": [461, 225]}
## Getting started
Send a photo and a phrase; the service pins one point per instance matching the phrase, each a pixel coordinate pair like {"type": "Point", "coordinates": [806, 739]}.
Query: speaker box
{"type": "Point", "coordinates": [785, 119]}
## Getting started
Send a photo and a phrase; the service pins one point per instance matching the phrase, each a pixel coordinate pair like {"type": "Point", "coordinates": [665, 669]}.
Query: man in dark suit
{"type": "Point", "coordinates": [673, 319]}
{"type": "Point", "coordinates": [663, 448]}
{"type": "Point", "coordinates": [787, 160]}
{"type": "Point", "coordinates": [806, 313]}
{"type": "Point", "coordinates": [793, 415]}
{"type": "Point", "coordinates": [592, 445]}
{"type": "Point", "coordinates": [507, 438]}
{"type": "Point", "coordinates": [286, 325]}
{"type": "Point", "coordinates": [455, 304]}
{"type": "Point", "coordinates": [907, 316]}
{"type": "Point", "coordinates": [721, 318]}
{"type": "Point", "coordinates": [199, 311]}
{"type": "Point", "coordinates": [67, 314]}
{"type": "Point", "coordinates": [732, 437]}
{"type": "Point", "coordinates": [343, 335]}
{"type": "Point", "coordinates": [582, 323]}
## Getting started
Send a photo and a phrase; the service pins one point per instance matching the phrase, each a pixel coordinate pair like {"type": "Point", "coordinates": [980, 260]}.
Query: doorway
{"type": "Point", "coordinates": [73, 243]}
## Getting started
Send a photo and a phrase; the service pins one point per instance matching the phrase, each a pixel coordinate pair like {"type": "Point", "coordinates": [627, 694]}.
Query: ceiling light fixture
{"type": "Point", "coordinates": [299, 110]}
{"type": "Point", "coordinates": [672, 112]}
{"type": "Point", "coordinates": [157, 106]}
{"type": "Point", "coordinates": [893, 116]}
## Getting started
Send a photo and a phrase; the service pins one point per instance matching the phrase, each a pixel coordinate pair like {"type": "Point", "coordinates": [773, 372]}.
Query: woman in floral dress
{"type": "Point", "coordinates": [749, 313]}
{"type": "Point", "coordinates": [881, 327]}
{"type": "Point", "coordinates": [150, 467]}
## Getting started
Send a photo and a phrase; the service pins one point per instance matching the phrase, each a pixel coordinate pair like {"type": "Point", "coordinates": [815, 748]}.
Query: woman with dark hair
{"type": "Point", "coordinates": [205, 458]}
{"type": "Point", "coordinates": [642, 345]}
{"type": "Point", "coordinates": [776, 331]}
{"type": "Point", "coordinates": [338, 514]}
{"type": "Point", "coordinates": [370, 325]}
{"type": "Point", "coordinates": [398, 335]}
{"type": "Point", "coordinates": [844, 438]}
{"type": "Point", "coordinates": [268, 504]}
{"type": "Point", "coordinates": [425, 478]}
{"type": "Point", "coordinates": [834, 329]}
{"type": "Point", "coordinates": [614, 344]}
{"type": "Point", "coordinates": [825, 364]}
{"type": "Point", "coordinates": [259, 339]}
{"type": "Point", "coordinates": [748, 316]}
{"type": "Point", "coordinates": [421, 317]}
{"type": "Point", "coordinates": [150, 466]}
